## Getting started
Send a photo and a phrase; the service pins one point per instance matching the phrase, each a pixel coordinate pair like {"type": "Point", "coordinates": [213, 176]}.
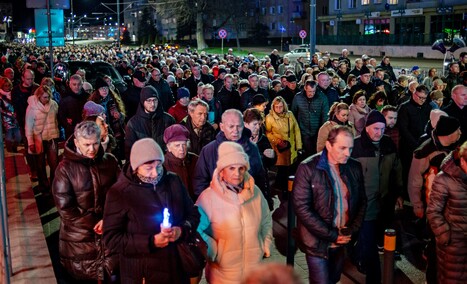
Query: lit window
{"type": "Point", "coordinates": [365, 2]}
{"type": "Point", "coordinates": [393, 2]}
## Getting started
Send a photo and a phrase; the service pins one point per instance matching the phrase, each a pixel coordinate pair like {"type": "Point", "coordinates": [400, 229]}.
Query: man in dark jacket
{"type": "Point", "coordinates": [201, 131]}
{"type": "Point", "coordinates": [79, 188]}
{"type": "Point", "coordinates": [191, 83]}
{"type": "Point", "coordinates": [329, 199]}
{"type": "Point", "coordinates": [458, 108]}
{"type": "Point", "coordinates": [131, 95]}
{"type": "Point", "coordinates": [228, 96]}
{"type": "Point", "coordinates": [150, 120]}
{"type": "Point", "coordinates": [382, 173]}
{"type": "Point", "coordinates": [446, 214]}
{"type": "Point", "coordinates": [290, 90]}
{"type": "Point", "coordinates": [71, 105]}
{"type": "Point", "coordinates": [232, 129]}
{"type": "Point", "coordinates": [254, 90]}
{"type": "Point", "coordinates": [311, 111]}
{"type": "Point", "coordinates": [162, 88]}
{"type": "Point", "coordinates": [364, 83]}
{"type": "Point", "coordinates": [325, 88]}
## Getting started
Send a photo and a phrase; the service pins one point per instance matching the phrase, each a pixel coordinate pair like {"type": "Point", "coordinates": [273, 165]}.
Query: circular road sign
{"type": "Point", "coordinates": [302, 34]}
{"type": "Point", "coordinates": [222, 33]}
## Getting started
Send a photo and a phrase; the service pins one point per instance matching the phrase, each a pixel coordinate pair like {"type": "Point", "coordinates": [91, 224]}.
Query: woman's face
{"type": "Point", "coordinates": [261, 107]}
{"type": "Point", "coordinates": [343, 115]}
{"type": "Point", "coordinates": [150, 170]}
{"type": "Point", "coordinates": [178, 148]}
{"type": "Point", "coordinates": [254, 127]}
{"type": "Point", "coordinates": [103, 91]}
{"type": "Point", "coordinates": [361, 102]}
{"type": "Point", "coordinates": [44, 98]}
{"type": "Point", "coordinates": [100, 121]}
{"type": "Point", "coordinates": [233, 174]}
{"type": "Point", "coordinates": [380, 102]}
{"type": "Point", "coordinates": [279, 108]}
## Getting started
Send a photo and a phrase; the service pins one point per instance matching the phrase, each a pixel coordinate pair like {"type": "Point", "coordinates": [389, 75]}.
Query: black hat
{"type": "Point", "coordinates": [233, 70]}
{"type": "Point", "coordinates": [140, 76]}
{"type": "Point", "coordinates": [258, 99]}
{"type": "Point", "coordinates": [291, 78]}
{"type": "Point", "coordinates": [100, 83]}
{"type": "Point", "coordinates": [375, 116]}
{"type": "Point", "coordinates": [364, 70]}
{"type": "Point", "coordinates": [222, 70]}
{"type": "Point", "coordinates": [378, 82]}
{"type": "Point", "coordinates": [446, 125]}
{"type": "Point", "coordinates": [243, 84]}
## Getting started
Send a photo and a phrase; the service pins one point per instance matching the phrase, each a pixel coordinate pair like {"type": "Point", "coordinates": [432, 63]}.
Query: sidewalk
{"type": "Point", "coordinates": [30, 257]}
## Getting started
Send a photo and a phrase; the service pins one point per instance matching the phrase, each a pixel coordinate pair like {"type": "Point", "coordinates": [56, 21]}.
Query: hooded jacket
{"type": "Point", "coordinates": [71, 107]}
{"type": "Point", "coordinates": [79, 189]}
{"type": "Point", "coordinates": [41, 122]}
{"type": "Point", "coordinates": [143, 124]}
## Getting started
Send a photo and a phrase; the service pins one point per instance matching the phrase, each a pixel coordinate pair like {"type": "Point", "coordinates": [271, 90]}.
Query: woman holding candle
{"type": "Point", "coordinates": [235, 218]}
{"type": "Point", "coordinates": [134, 214]}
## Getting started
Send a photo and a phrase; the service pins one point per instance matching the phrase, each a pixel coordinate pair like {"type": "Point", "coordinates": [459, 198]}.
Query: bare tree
{"type": "Point", "coordinates": [185, 11]}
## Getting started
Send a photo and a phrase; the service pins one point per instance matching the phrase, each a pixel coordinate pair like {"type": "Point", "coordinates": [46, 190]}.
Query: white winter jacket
{"type": "Point", "coordinates": [41, 122]}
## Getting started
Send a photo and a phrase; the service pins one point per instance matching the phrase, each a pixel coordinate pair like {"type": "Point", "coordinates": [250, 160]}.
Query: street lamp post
{"type": "Point", "coordinates": [312, 28]}
{"type": "Point", "coordinates": [339, 17]}
{"type": "Point", "coordinates": [72, 24]}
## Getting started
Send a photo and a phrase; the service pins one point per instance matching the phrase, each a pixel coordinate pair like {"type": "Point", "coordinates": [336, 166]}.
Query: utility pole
{"type": "Point", "coordinates": [312, 28]}
{"type": "Point", "coordinates": [118, 23]}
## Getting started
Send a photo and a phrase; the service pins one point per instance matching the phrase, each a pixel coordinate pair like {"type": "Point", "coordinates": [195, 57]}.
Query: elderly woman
{"type": "Point", "coordinates": [177, 157]}
{"type": "Point", "coordinates": [358, 111]}
{"type": "Point", "coordinates": [41, 128]}
{"type": "Point", "coordinates": [282, 130]}
{"type": "Point", "coordinates": [338, 115]}
{"type": "Point", "coordinates": [235, 219]}
{"type": "Point", "coordinates": [134, 213]}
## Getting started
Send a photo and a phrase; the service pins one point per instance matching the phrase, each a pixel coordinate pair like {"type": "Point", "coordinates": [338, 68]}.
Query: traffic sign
{"type": "Point", "coordinates": [42, 29]}
{"type": "Point", "coordinates": [302, 34]}
{"type": "Point", "coordinates": [222, 33]}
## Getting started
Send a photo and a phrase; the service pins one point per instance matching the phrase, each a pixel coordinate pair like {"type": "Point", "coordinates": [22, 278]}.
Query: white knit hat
{"type": "Point", "coordinates": [143, 151]}
{"type": "Point", "coordinates": [231, 153]}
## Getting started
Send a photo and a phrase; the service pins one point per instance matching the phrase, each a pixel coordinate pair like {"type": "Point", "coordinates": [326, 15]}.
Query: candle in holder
{"type": "Point", "coordinates": [165, 223]}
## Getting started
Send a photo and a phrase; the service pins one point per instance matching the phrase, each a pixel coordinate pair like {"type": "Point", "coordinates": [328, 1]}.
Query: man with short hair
{"type": "Point", "coordinates": [391, 130]}
{"type": "Point", "coordinates": [311, 111]}
{"type": "Point", "coordinates": [290, 90]}
{"type": "Point", "coordinates": [345, 58]}
{"type": "Point", "coordinates": [324, 87]}
{"type": "Point", "coordinates": [228, 96]}
{"type": "Point", "coordinates": [453, 78]}
{"type": "Point", "coordinates": [150, 120]}
{"type": "Point", "coordinates": [201, 131]}
{"type": "Point", "coordinates": [462, 62]}
{"type": "Point", "coordinates": [131, 97]}
{"type": "Point", "coordinates": [219, 82]}
{"type": "Point", "coordinates": [398, 90]}
{"type": "Point", "coordinates": [191, 83]}
{"type": "Point", "coordinates": [358, 66]}
{"type": "Point", "coordinates": [329, 200]}
{"type": "Point", "coordinates": [232, 129]}
{"type": "Point", "coordinates": [364, 83]}
{"type": "Point", "coordinates": [247, 96]}
{"type": "Point", "coordinates": [163, 89]}
{"type": "Point", "coordinates": [458, 108]}
{"type": "Point", "coordinates": [79, 188]}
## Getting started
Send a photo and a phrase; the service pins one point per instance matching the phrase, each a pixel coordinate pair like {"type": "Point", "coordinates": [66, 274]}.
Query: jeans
{"type": "Point", "coordinates": [51, 153]}
{"type": "Point", "coordinates": [12, 138]}
{"type": "Point", "coordinates": [326, 271]}
{"type": "Point", "coordinates": [367, 251]}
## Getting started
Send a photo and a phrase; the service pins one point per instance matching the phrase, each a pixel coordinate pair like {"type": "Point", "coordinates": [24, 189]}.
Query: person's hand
{"type": "Point", "coordinates": [419, 212]}
{"type": "Point", "coordinates": [175, 234]}
{"type": "Point", "coordinates": [342, 240]}
{"type": "Point", "coordinates": [400, 203]}
{"type": "Point", "coordinates": [98, 227]}
{"type": "Point", "coordinates": [116, 114]}
{"type": "Point", "coordinates": [32, 149]}
{"type": "Point", "coordinates": [215, 126]}
{"type": "Point", "coordinates": [69, 121]}
{"type": "Point", "coordinates": [269, 153]}
{"type": "Point", "coordinates": [161, 240]}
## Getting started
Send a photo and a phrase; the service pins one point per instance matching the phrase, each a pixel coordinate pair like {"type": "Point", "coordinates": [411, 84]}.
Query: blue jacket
{"type": "Point", "coordinates": [207, 161]}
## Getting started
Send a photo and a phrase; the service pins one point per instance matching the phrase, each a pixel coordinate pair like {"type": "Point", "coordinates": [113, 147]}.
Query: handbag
{"type": "Point", "coordinates": [193, 252]}
{"type": "Point", "coordinates": [284, 145]}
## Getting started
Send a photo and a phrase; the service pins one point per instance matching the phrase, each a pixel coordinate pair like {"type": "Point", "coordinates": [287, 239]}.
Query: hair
{"type": "Point", "coordinates": [24, 72]}
{"type": "Point", "coordinates": [208, 86]}
{"type": "Point", "coordinates": [376, 97]}
{"type": "Point", "coordinates": [350, 78]}
{"type": "Point", "coordinates": [336, 108]}
{"type": "Point", "coordinates": [47, 81]}
{"type": "Point", "coordinates": [311, 83]}
{"type": "Point", "coordinates": [278, 100]}
{"type": "Point", "coordinates": [76, 77]}
{"type": "Point", "coordinates": [252, 76]}
{"type": "Point", "coordinates": [402, 78]}
{"type": "Point", "coordinates": [196, 102]}
{"type": "Point", "coordinates": [228, 76]}
{"type": "Point", "coordinates": [336, 130]}
{"type": "Point", "coordinates": [87, 129]}
{"type": "Point", "coordinates": [252, 114]}
{"type": "Point", "coordinates": [230, 112]}
{"type": "Point", "coordinates": [322, 74]}
{"type": "Point", "coordinates": [5, 81]}
{"type": "Point", "coordinates": [422, 88]}
{"type": "Point", "coordinates": [431, 72]}
{"type": "Point", "coordinates": [357, 95]}
{"type": "Point", "coordinates": [387, 109]}
{"type": "Point", "coordinates": [43, 89]}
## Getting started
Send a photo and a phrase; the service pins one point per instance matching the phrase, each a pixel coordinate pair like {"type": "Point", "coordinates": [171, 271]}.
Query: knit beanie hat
{"type": "Point", "coordinates": [435, 115]}
{"type": "Point", "coordinates": [375, 116]}
{"type": "Point", "coordinates": [143, 151]}
{"type": "Point", "coordinates": [446, 125]}
{"type": "Point", "coordinates": [364, 70]}
{"type": "Point", "coordinates": [140, 76]}
{"type": "Point", "coordinates": [183, 93]}
{"type": "Point", "coordinates": [231, 153]}
{"type": "Point", "coordinates": [100, 83]}
{"type": "Point", "coordinates": [258, 99]}
{"type": "Point", "coordinates": [148, 92]}
{"type": "Point", "coordinates": [92, 109]}
{"type": "Point", "coordinates": [176, 132]}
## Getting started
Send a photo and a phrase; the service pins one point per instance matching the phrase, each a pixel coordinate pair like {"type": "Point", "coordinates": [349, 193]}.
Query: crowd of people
{"type": "Point", "coordinates": [201, 134]}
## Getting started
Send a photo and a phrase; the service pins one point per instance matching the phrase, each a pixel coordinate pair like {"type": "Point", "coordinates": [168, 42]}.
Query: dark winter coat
{"type": "Point", "coordinates": [79, 190]}
{"type": "Point", "coordinates": [446, 213]}
{"type": "Point", "coordinates": [313, 200]}
{"type": "Point", "coordinates": [412, 120]}
{"type": "Point", "coordinates": [311, 114]}
{"type": "Point", "coordinates": [131, 98]}
{"type": "Point", "coordinates": [132, 216]}
{"type": "Point", "coordinates": [164, 91]}
{"type": "Point", "coordinates": [19, 99]}
{"type": "Point", "coordinates": [71, 107]}
{"type": "Point", "coordinates": [192, 84]}
{"type": "Point", "coordinates": [143, 125]}
{"type": "Point", "coordinates": [247, 97]}
{"type": "Point", "coordinates": [206, 135]}
{"type": "Point", "coordinates": [461, 114]}
{"type": "Point", "coordinates": [288, 95]}
{"type": "Point", "coordinates": [185, 169]}
{"type": "Point", "coordinates": [330, 93]}
{"type": "Point", "coordinates": [229, 99]}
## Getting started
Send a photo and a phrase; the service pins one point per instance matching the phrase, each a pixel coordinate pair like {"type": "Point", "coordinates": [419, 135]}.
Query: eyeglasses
{"type": "Point", "coordinates": [152, 101]}
{"type": "Point", "coordinates": [421, 98]}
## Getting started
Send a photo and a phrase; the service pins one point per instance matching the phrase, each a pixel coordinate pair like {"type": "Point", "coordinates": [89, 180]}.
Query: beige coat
{"type": "Point", "coordinates": [41, 122]}
{"type": "Point", "coordinates": [324, 132]}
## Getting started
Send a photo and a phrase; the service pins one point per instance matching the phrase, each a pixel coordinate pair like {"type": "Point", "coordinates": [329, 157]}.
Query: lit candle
{"type": "Point", "coordinates": [165, 223]}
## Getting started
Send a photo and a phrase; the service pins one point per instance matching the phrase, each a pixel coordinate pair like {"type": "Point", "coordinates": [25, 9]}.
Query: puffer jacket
{"type": "Point", "coordinates": [206, 135]}
{"type": "Point", "coordinates": [311, 114]}
{"type": "Point", "coordinates": [284, 127]}
{"type": "Point", "coordinates": [313, 200]}
{"type": "Point", "coordinates": [132, 216]}
{"type": "Point", "coordinates": [446, 213]}
{"type": "Point", "coordinates": [41, 122]}
{"type": "Point", "coordinates": [79, 189]}
{"type": "Point", "coordinates": [144, 125]}
{"type": "Point", "coordinates": [382, 171]}
{"type": "Point", "coordinates": [236, 227]}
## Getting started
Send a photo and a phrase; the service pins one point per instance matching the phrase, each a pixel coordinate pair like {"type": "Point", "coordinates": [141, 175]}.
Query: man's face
{"type": "Point", "coordinates": [28, 79]}
{"type": "Point", "coordinates": [254, 82]}
{"type": "Point", "coordinates": [419, 97]}
{"type": "Point", "coordinates": [359, 64]}
{"type": "Point", "coordinates": [375, 131]}
{"type": "Point", "coordinates": [340, 151]}
{"type": "Point", "coordinates": [76, 85]}
{"type": "Point", "coordinates": [41, 70]}
{"type": "Point", "coordinates": [9, 73]}
{"type": "Point", "coordinates": [228, 83]}
{"type": "Point", "coordinates": [264, 83]}
{"type": "Point", "coordinates": [386, 60]}
{"type": "Point", "coordinates": [379, 75]}
{"type": "Point", "coordinates": [343, 68]}
{"type": "Point", "coordinates": [195, 71]}
{"type": "Point", "coordinates": [454, 68]}
{"type": "Point", "coordinates": [310, 92]}
{"type": "Point", "coordinates": [365, 78]}
{"type": "Point", "coordinates": [199, 116]}
{"type": "Point", "coordinates": [292, 85]}
{"type": "Point", "coordinates": [324, 81]}
{"type": "Point", "coordinates": [232, 126]}
{"type": "Point", "coordinates": [156, 75]}
{"type": "Point", "coordinates": [205, 70]}
{"type": "Point", "coordinates": [88, 146]}
{"type": "Point", "coordinates": [150, 105]}
{"type": "Point", "coordinates": [454, 137]}
{"type": "Point", "coordinates": [391, 119]}
{"type": "Point", "coordinates": [459, 96]}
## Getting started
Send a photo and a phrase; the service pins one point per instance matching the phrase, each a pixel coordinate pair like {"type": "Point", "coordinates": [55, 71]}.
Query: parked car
{"type": "Point", "coordinates": [301, 51]}
{"type": "Point", "coordinates": [98, 69]}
